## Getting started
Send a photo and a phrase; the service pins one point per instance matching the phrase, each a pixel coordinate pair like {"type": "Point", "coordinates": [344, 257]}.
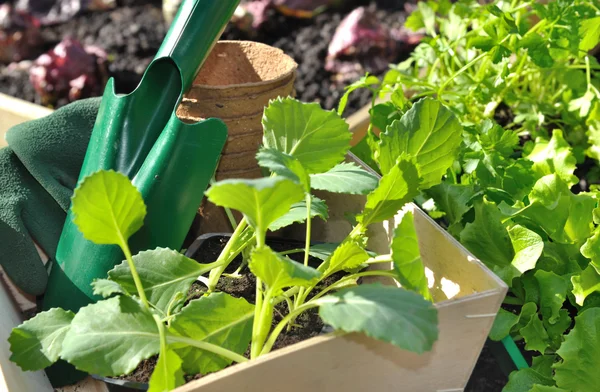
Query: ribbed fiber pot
{"type": "Point", "coordinates": [236, 83]}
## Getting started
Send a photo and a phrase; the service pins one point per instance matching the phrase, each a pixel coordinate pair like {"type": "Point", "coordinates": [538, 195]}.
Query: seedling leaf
{"type": "Point", "coordinates": [219, 319]}
{"type": "Point", "coordinates": [108, 208]}
{"type": "Point", "coordinates": [386, 313]}
{"type": "Point", "coordinates": [37, 342]}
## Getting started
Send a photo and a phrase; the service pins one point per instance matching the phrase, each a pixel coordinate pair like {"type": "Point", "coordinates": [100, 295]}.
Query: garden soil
{"type": "Point", "coordinates": [132, 33]}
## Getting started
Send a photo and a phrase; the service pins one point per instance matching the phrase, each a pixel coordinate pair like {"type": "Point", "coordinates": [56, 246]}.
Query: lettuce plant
{"type": "Point", "coordinates": [145, 311]}
{"type": "Point", "coordinates": [508, 200]}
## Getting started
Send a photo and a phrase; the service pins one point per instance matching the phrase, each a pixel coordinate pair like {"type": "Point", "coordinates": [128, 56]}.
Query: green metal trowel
{"type": "Point", "coordinates": [139, 135]}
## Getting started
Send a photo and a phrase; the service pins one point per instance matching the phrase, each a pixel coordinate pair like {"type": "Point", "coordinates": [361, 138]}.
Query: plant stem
{"type": "Point", "coordinates": [263, 326]}
{"type": "Point", "coordinates": [287, 319]}
{"type": "Point", "coordinates": [460, 71]}
{"type": "Point", "coordinates": [231, 218]}
{"type": "Point", "coordinates": [212, 348]}
{"type": "Point", "coordinates": [136, 278]}
{"type": "Point", "coordinates": [350, 277]}
{"type": "Point", "coordinates": [308, 228]}
{"type": "Point", "coordinates": [216, 273]}
{"type": "Point", "coordinates": [162, 335]}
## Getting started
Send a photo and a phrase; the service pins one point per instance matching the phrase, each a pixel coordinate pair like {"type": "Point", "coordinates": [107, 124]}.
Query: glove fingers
{"type": "Point", "coordinates": [26, 211]}
{"type": "Point", "coordinates": [20, 260]}
{"type": "Point", "coordinates": [53, 148]}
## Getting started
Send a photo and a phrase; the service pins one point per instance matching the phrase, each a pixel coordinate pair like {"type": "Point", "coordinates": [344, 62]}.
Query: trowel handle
{"type": "Point", "coordinates": [193, 33]}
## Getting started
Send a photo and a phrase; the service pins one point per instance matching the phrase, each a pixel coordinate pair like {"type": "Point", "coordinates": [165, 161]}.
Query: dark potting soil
{"type": "Point", "coordinates": [309, 324]}
{"type": "Point", "coordinates": [132, 33]}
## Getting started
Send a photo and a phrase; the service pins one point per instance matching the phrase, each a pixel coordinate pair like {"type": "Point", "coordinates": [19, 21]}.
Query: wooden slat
{"type": "Point", "coordinates": [14, 111]}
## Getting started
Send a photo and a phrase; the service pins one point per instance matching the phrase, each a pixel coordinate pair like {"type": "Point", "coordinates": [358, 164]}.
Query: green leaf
{"type": "Point", "coordinates": [535, 335]}
{"type": "Point", "coordinates": [382, 115]}
{"type": "Point", "coordinates": [523, 380]}
{"type": "Point", "coordinates": [37, 343]}
{"type": "Point", "coordinates": [219, 319]}
{"type": "Point", "coordinates": [347, 256]}
{"type": "Point", "coordinates": [453, 199]}
{"type": "Point", "coordinates": [553, 292]}
{"type": "Point", "coordinates": [278, 271]}
{"type": "Point", "coordinates": [528, 247]}
{"type": "Point", "coordinates": [284, 165]}
{"type": "Point", "coordinates": [163, 272]}
{"type": "Point", "coordinates": [167, 374]}
{"type": "Point", "coordinates": [430, 133]}
{"type": "Point", "coordinates": [319, 139]}
{"type": "Point", "coordinates": [390, 314]}
{"type": "Point", "coordinates": [591, 248]}
{"type": "Point", "coordinates": [557, 330]}
{"type": "Point", "coordinates": [503, 323]}
{"type": "Point", "coordinates": [406, 255]}
{"type": "Point", "coordinates": [345, 178]}
{"type": "Point", "coordinates": [297, 213]}
{"type": "Point", "coordinates": [578, 370]}
{"type": "Point", "coordinates": [364, 82]}
{"type": "Point", "coordinates": [543, 364]}
{"type": "Point", "coordinates": [482, 42]}
{"type": "Point", "coordinates": [106, 288]}
{"type": "Point", "coordinates": [323, 251]}
{"type": "Point", "coordinates": [262, 200]}
{"type": "Point", "coordinates": [111, 337]}
{"type": "Point", "coordinates": [546, 388]}
{"type": "Point", "coordinates": [537, 48]}
{"type": "Point", "coordinates": [585, 283]}
{"type": "Point", "coordinates": [554, 156]}
{"type": "Point", "coordinates": [590, 33]}
{"type": "Point", "coordinates": [396, 188]}
{"type": "Point", "coordinates": [487, 239]}
{"type": "Point", "coordinates": [498, 53]}
{"type": "Point", "coordinates": [108, 208]}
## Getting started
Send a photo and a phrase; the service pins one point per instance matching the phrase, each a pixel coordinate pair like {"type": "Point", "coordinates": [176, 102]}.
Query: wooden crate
{"type": "Point", "coordinates": [14, 111]}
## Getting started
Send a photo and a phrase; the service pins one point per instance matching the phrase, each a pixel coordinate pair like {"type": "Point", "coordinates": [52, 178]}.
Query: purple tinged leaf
{"type": "Point", "coordinates": [70, 70]}
{"type": "Point", "coordinates": [19, 34]}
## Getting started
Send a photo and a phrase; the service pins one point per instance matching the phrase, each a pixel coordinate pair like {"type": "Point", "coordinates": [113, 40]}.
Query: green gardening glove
{"type": "Point", "coordinates": [38, 172]}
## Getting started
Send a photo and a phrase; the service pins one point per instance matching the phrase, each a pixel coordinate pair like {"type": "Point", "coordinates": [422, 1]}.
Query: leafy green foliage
{"type": "Point", "coordinates": [278, 271]}
{"type": "Point", "coordinates": [119, 330]}
{"type": "Point", "coordinates": [262, 201]}
{"type": "Point", "coordinates": [107, 288]}
{"type": "Point", "coordinates": [219, 319]}
{"type": "Point", "coordinates": [317, 138]}
{"type": "Point", "coordinates": [488, 239]}
{"type": "Point", "coordinates": [578, 370]}
{"type": "Point", "coordinates": [525, 379]}
{"type": "Point", "coordinates": [517, 79]}
{"type": "Point", "coordinates": [164, 274]}
{"type": "Point", "coordinates": [108, 209]}
{"type": "Point", "coordinates": [167, 374]}
{"type": "Point", "coordinates": [37, 342]}
{"type": "Point", "coordinates": [298, 213]}
{"type": "Point", "coordinates": [430, 133]}
{"type": "Point", "coordinates": [345, 257]}
{"type": "Point", "coordinates": [145, 310]}
{"type": "Point", "coordinates": [345, 178]}
{"type": "Point", "coordinates": [411, 321]}
{"type": "Point", "coordinates": [284, 165]}
{"type": "Point", "coordinates": [396, 188]}
{"type": "Point", "coordinates": [407, 257]}
{"type": "Point", "coordinates": [503, 323]}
